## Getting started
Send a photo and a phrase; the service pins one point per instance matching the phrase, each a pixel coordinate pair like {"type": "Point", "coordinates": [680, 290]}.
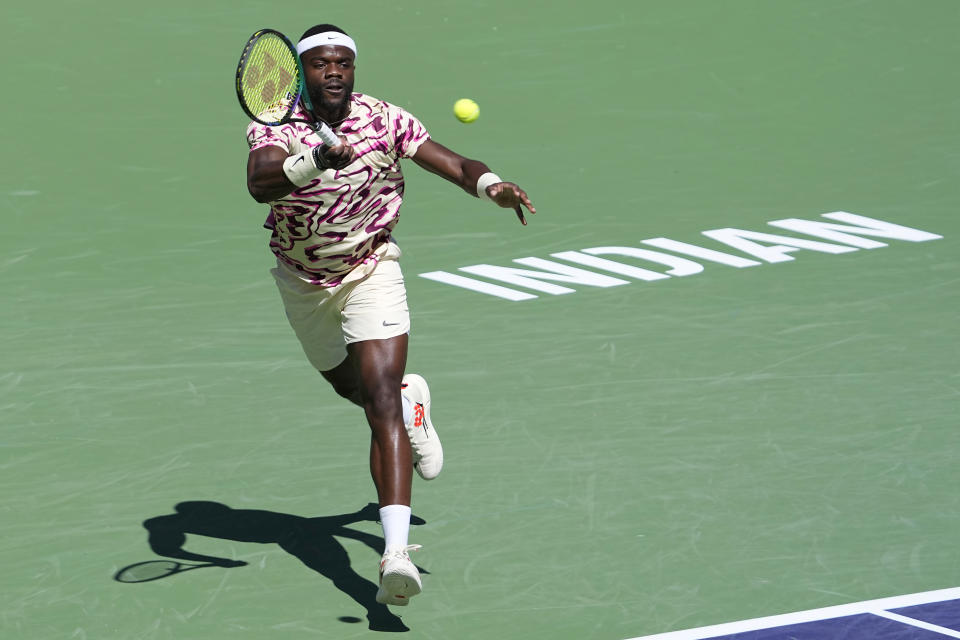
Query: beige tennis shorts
{"type": "Point", "coordinates": [327, 319]}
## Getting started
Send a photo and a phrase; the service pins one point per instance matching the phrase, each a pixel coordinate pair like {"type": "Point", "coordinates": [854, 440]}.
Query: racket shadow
{"type": "Point", "coordinates": [311, 540]}
{"type": "Point", "coordinates": [156, 569]}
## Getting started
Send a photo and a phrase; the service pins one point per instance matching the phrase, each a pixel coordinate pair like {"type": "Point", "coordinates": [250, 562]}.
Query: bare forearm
{"type": "Point", "coordinates": [268, 182]}
{"type": "Point", "coordinates": [459, 170]}
{"type": "Point", "coordinates": [472, 170]}
{"type": "Point", "coordinates": [272, 174]}
{"type": "Point", "coordinates": [464, 172]}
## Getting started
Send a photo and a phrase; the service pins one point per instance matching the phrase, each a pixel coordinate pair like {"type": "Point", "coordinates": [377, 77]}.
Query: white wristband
{"type": "Point", "coordinates": [301, 169]}
{"type": "Point", "coordinates": [485, 181]}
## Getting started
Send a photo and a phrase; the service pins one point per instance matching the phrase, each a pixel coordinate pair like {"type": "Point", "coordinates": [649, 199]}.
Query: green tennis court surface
{"type": "Point", "coordinates": [622, 461]}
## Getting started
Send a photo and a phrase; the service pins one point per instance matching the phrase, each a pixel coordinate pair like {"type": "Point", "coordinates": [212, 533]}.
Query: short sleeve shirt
{"type": "Point", "coordinates": [336, 228]}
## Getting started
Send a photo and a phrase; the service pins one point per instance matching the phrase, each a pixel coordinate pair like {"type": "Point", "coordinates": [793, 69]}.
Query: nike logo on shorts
{"type": "Point", "coordinates": [390, 324]}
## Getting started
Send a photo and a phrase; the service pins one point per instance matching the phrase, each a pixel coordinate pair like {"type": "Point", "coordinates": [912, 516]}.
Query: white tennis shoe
{"type": "Point", "coordinates": [399, 578]}
{"type": "Point", "coordinates": [427, 451]}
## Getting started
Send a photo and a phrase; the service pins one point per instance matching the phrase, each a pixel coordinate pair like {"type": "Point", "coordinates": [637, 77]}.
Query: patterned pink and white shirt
{"type": "Point", "coordinates": [337, 228]}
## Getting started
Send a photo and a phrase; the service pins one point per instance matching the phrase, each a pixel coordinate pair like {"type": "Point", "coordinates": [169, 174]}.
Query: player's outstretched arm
{"type": "Point", "coordinates": [465, 173]}
{"type": "Point", "coordinates": [268, 180]}
{"type": "Point", "coordinates": [167, 537]}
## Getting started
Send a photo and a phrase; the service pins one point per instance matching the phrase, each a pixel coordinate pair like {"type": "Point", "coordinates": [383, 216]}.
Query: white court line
{"type": "Point", "coordinates": [813, 615]}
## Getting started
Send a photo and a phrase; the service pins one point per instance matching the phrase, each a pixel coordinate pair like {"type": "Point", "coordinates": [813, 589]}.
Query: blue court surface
{"type": "Point", "coordinates": [918, 616]}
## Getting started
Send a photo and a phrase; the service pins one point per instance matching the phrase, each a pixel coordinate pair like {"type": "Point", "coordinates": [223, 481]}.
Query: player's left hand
{"type": "Point", "coordinates": [510, 196]}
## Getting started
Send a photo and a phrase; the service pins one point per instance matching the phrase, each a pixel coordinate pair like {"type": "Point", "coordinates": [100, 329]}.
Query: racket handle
{"type": "Point", "coordinates": [327, 135]}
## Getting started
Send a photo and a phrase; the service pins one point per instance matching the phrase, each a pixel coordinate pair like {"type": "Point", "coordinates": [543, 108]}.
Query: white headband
{"type": "Point", "coordinates": [334, 38]}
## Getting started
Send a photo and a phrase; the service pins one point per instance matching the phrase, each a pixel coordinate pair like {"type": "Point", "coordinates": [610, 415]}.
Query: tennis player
{"type": "Point", "coordinates": [332, 210]}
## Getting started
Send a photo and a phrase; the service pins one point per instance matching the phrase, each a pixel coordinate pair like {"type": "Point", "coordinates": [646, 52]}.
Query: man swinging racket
{"type": "Point", "coordinates": [332, 209]}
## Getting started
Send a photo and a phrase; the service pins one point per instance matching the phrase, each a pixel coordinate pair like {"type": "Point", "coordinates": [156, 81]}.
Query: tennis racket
{"type": "Point", "coordinates": [270, 83]}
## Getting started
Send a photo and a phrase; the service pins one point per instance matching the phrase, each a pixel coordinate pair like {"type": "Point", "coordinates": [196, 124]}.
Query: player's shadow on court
{"type": "Point", "coordinates": [311, 540]}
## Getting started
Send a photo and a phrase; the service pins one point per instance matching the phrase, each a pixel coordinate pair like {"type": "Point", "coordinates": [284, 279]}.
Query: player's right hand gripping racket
{"type": "Point", "coordinates": [270, 83]}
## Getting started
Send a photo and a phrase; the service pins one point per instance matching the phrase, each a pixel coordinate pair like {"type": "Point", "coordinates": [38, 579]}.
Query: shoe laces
{"type": "Point", "coordinates": [401, 552]}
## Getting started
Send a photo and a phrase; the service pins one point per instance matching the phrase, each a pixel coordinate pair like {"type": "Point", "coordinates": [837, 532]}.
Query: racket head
{"type": "Point", "coordinates": [269, 78]}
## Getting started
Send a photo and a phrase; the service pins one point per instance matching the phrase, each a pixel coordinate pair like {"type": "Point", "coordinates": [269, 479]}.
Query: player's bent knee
{"type": "Point", "coordinates": [383, 402]}
{"type": "Point", "coordinates": [348, 391]}
{"type": "Point", "coordinates": [344, 382]}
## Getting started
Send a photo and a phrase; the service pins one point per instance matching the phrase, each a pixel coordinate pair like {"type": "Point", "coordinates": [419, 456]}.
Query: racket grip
{"type": "Point", "coordinates": [327, 135]}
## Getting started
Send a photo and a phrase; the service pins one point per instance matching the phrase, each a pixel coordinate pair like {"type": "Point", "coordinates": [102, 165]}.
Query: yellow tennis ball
{"type": "Point", "coordinates": [466, 110]}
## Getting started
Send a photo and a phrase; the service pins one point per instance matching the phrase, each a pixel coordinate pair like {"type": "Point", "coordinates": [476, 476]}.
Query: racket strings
{"type": "Point", "coordinates": [270, 77]}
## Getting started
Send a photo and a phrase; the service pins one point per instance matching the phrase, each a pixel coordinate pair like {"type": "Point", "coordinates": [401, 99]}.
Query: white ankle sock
{"type": "Point", "coordinates": [407, 409]}
{"type": "Point", "coordinates": [395, 519]}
